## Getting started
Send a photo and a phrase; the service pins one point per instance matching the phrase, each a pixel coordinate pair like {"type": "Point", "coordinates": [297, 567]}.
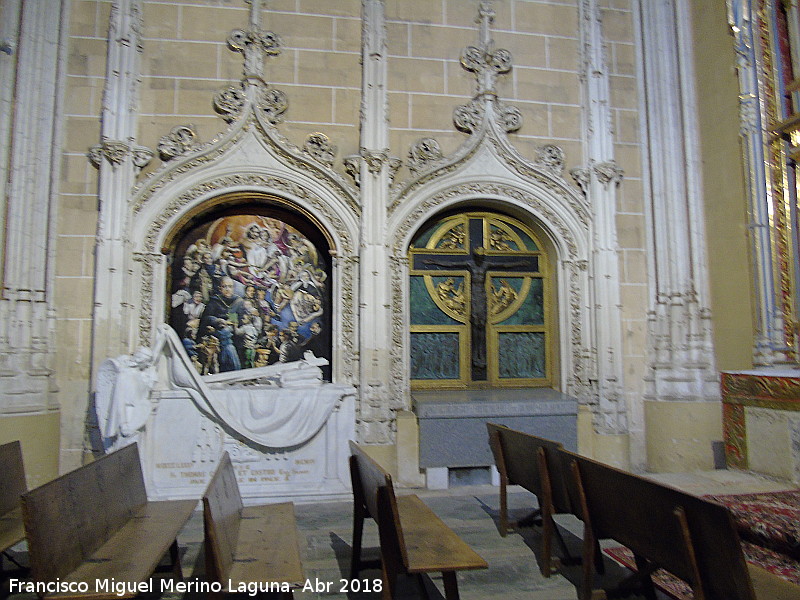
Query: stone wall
{"type": "Point", "coordinates": [185, 60]}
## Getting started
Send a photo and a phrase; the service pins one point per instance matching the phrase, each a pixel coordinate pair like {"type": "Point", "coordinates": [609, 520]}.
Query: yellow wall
{"type": "Point", "coordinates": [723, 186]}
{"type": "Point", "coordinates": [39, 435]}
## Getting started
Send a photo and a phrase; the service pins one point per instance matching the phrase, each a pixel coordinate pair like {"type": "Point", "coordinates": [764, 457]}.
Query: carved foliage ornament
{"type": "Point", "coordinates": [272, 103]}
{"type": "Point", "coordinates": [230, 101]}
{"type": "Point", "coordinates": [319, 146]}
{"type": "Point", "coordinates": [374, 161]}
{"type": "Point", "coordinates": [606, 172]}
{"type": "Point", "coordinates": [178, 141]}
{"type": "Point", "coordinates": [115, 151]}
{"type": "Point", "coordinates": [424, 154]}
{"type": "Point", "coordinates": [468, 117]}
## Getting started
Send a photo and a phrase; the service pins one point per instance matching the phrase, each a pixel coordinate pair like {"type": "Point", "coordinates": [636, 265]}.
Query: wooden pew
{"type": "Point", "coordinates": [12, 486]}
{"type": "Point", "coordinates": [692, 538]}
{"type": "Point", "coordinates": [534, 464]}
{"type": "Point", "coordinates": [248, 545]}
{"type": "Point", "coordinates": [95, 523]}
{"type": "Point", "coordinates": [413, 539]}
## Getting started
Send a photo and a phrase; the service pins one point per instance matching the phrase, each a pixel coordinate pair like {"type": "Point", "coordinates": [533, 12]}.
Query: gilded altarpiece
{"type": "Point", "coordinates": [767, 34]}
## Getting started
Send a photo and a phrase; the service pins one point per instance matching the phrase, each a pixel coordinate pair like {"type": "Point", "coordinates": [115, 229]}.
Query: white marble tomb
{"type": "Point", "coordinates": [285, 430]}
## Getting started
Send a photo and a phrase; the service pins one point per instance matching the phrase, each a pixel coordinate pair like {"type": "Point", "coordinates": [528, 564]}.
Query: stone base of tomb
{"type": "Point", "coordinates": [181, 445]}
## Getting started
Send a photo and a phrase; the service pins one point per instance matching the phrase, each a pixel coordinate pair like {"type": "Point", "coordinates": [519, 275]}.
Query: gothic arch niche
{"type": "Point", "coordinates": [248, 283]}
{"type": "Point", "coordinates": [562, 227]}
{"type": "Point", "coordinates": [482, 293]}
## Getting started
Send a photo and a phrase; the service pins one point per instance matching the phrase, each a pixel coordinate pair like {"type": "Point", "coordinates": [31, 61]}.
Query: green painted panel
{"type": "Point", "coordinates": [531, 312]}
{"type": "Point", "coordinates": [421, 241]}
{"type": "Point", "coordinates": [530, 245]}
{"type": "Point", "coordinates": [522, 355]}
{"type": "Point", "coordinates": [434, 356]}
{"type": "Point", "coordinates": [423, 309]}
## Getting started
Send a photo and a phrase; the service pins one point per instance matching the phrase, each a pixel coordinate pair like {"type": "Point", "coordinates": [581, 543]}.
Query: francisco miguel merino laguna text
{"type": "Point", "coordinates": [131, 588]}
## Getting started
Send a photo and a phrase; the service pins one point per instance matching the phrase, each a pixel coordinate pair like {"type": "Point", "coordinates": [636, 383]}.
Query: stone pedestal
{"type": "Point", "coordinates": [761, 421]}
{"type": "Point", "coordinates": [452, 424]}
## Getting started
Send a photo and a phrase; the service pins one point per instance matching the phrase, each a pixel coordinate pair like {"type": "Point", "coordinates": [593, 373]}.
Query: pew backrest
{"type": "Point", "coordinates": [13, 483]}
{"type": "Point", "coordinates": [690, 537]}
{"type": "Point", "coordinates": [69, 518]}
{"type": "Point", "coordinates": [222, 506]}
{"type": "Point", "coordinates": [368, 477]}
{"type": "Point", "coordinates": [520, 454]}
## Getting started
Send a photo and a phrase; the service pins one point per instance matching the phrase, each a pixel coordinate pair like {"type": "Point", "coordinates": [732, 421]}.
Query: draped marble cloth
{"type": "Point", "coordinates": [276, 417]}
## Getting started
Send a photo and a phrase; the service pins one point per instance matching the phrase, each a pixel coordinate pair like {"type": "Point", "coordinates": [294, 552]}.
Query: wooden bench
{"type": "Point", "coordinates": [96, 524]}
{"type": "Point", "coordinates": [692, 538]}
{"type": "Point", "coordinates": [534, 464]}
{"type": "Point", "coordinates": [12, 486]}
{"type": "Point", "coordinates": [248, 546]}
{"type": "Point", "coordinates": [413, 540]}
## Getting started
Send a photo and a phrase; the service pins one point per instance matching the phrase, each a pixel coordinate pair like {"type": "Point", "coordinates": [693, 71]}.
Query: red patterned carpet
{"type": "Point", "coordinates": [772, 561]}
{"type": "Point", "coordinates": [769, 519]}
{"type": "Point", "coordinates": [769, 525]}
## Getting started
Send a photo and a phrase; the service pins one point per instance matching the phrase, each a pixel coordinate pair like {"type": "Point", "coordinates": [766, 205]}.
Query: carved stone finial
{"type": "Point", "coordinates": [483, 60]}
{"type": "Point", "coordinates": [255, 45]}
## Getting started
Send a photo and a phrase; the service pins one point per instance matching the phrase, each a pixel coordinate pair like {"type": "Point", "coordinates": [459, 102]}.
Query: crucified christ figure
{"type": "Point", "coordinates": [478, 265]}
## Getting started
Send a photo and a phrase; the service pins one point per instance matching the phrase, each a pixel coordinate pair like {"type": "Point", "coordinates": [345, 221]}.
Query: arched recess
{"type": "Point", "coordinates": [248, 284]}
{"type": "Point", "coordinates": [160, 217]}
{"type": "Point", "coordinates": [557, 214]}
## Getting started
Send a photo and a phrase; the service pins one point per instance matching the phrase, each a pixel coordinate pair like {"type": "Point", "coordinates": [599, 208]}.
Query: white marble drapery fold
{"type": "Point", "coordinates": [276, 417]}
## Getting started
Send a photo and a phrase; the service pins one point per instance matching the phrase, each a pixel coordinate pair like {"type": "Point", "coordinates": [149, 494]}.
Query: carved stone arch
{"type": "Point", "coordinates": [567, 230]}
{"type": "Point", "coordinates": [169, 210]}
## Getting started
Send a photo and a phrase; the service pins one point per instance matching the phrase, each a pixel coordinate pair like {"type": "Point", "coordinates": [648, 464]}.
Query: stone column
{"type": "Point", "coordinates": [599, 182]}
{"type": "Point", "coordinates": [769, 346]}
{"type": "Point", "coordinates": [681, 373]}
{"type": "Point", "coordinates": [376, 409]}
{"type": "Point", "coordinates": [681, 364]}
{"type": "Point", "coordinates": [31, 72]}
{"type": "Point", "coordinates": [118, 159]}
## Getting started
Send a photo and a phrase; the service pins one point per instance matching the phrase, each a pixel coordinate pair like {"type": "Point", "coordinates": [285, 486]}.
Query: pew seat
{"type": "Point", "coordinates": [248, 546]}
{"type": "Point", "coordinates": [693, 538]}
{"type": "Point", "coordinates": [414, 541]}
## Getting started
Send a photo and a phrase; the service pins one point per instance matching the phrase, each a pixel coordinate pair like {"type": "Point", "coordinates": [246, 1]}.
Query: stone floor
{"type": "Point", "coordinates": [472, 512]}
